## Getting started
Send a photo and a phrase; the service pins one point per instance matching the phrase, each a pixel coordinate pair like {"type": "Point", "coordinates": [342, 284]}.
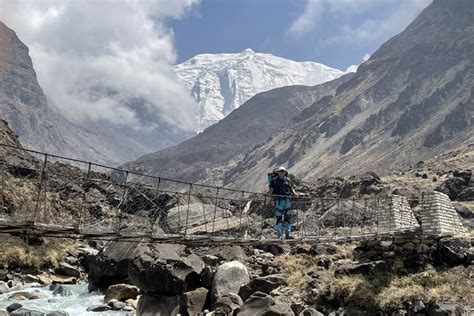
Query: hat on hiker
{"type": "Point", "coordinates": [281, 169]}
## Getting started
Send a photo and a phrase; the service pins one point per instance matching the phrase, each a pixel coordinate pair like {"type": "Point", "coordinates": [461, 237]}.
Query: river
{"type": "Point", "coordinates": [75, 304]}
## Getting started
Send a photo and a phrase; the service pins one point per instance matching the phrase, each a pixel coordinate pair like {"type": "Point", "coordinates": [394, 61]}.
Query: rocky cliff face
{"type": "Point", "coordinates": [25, 107]}
{"type": "Point", "coordinates": [413, 99]}
{"type": "Point", "coordinates": [205, 157]}
{"type": "Point", "coordinates": [221, 83]}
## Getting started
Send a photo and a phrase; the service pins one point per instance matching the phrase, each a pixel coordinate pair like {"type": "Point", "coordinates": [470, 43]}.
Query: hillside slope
{"type": "Point", "coordinates": [205, 157]}
{"type": "Point", "coordinates": [412, 100]}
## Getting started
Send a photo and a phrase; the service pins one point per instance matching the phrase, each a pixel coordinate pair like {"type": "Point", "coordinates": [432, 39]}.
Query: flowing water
{"type": "Point", "coordinates": [76, 304]}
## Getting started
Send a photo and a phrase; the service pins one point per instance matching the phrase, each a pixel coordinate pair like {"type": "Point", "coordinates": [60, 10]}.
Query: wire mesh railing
{"type": "Point", "coordinates": [62, 193]}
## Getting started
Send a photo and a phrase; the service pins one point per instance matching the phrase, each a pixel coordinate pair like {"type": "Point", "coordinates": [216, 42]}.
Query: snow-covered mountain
{"type": "Point", "coordinates": [222, 82]}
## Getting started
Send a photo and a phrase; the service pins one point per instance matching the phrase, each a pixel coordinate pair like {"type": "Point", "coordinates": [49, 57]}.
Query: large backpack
{"type": "Point", "coordinates": [273, 175]}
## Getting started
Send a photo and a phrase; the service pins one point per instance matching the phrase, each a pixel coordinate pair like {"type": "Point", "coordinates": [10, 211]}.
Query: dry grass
{"type": "Point", "coordinates": [15, 253]}
{"type": "Point", "coordinates": [386, 291]}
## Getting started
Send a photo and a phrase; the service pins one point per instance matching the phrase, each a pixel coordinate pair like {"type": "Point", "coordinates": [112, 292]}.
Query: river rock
{"type": "Point", "coordinates": [28, 278]}
{"type": "Point", "coordinates": [264, 284]}
{"type": "Point", "coordinates": [56, 313]}
{"type": "Point", "coordinates": [62, 279]}
{"type": "Point", "coordinates": [111, 264]}
{"type": "Point", "coordinates": [263, 304]}
{"type": "Point", "coordinates": [229, 277]}
{"type": "Point", "coordinates": [121, 292]}
{"type": "Point", "coordinates": [132, 303]}
{"type": "Point", "coordinates": [26, 312]}
{"type": "Point", "coordinates": [99, 308]}
{"type": "Point", "coordinates": [192, 303]}
{"type": "Point", "coordinates": [44, 279]}
{"type": "Point", "coordinates": [157, 305]}
{"type": "Point", "coordinates": [165, 269]}
{"type": "Point", "coordinates": [60, 290]}
{"type": "Point", "coordinates": [68, 270]}
{"type": "Point", "coordinates": [21, 296]}
{"type": "Point", "coordinates": [3, 287]}
{"type": "Point", "coordinates": [13, 307]}
{"type": "Point", "coordinates": [4, 275]}
{"type": "Point", "coordinates": [117, 306]}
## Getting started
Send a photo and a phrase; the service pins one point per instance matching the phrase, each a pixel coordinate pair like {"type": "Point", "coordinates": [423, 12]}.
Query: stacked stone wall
{"type": "Point", "coordinates": [438, 215]}
{"type": "Point", "coordinates": [412, 250]}
{"type": "Point", "coordinates": [395, 214]}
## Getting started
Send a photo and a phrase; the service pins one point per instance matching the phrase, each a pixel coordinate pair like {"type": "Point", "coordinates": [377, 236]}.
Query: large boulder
{"type": "Point", "coordinates": [111, 265]}
{"type": "Point", "coordinates": [165, 269]}
{"type": "Point", "coordinates": [264, 284]}
{"type": "Point", "coordinates": [229, 277]}
{"type": "Point", "coordinates": [452, 187]}
{"type": "Point", "coordinates": [453, 251]}
{"type": "Point", "coordinates": [263, 304]}
{"type": "Point", "coordinates": [67, 270]}
{"type": "Point", "coordinates": [121, 292]}
{"type": "Point", "coordinates": [364, 268]}
{"type": "Point", "coordinates": [157, 305]}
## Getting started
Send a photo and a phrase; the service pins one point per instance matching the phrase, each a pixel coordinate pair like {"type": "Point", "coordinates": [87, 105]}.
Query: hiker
{"type": "Point", "coordinates": [282, 189]}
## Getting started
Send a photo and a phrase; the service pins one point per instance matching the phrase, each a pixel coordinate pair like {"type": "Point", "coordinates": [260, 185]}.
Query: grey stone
{"type": "Point", "coordinates": [264, 284]}
{"type": "Point", "coordinates": [158, 305]}
{"type": "Point", "coordinates": [161, 269]}
{"type": "Point", "coordinates": [211, 260]}
{"type": "Point", "coordinates": [67, 270]}
{"type": "Point", "coordinates": [229, 277]}
{"type": "Point", "coordinates": [60, 290]}
{"type": "Point", "coordinates": [28, 278]}
{"type": "Point", "coordinates": [57, 313]}
{"type": "Point", "coordinates": [364, 268]}
{"type": "Point", "coordinates": [192, 303]}
{"type": "Point", "coordinates": [263, 304]}
{"type": "Point", "coordinates": [99, 308]}
{"type": "Point", "coordinates": [121, 292]}
{"type": "Point", "coordinates": [117, 306]}
{"type": "Point", "coordinates": [310, 312]}
{"type": "Point", "coordinates": [12, 307]}
{"type": "Point", "coordinates": [3, 287]}
{"type": "Point", "coordinates": [207, 275]}
{"type": "Point", "coordinates": [26, 312]}
{"type": "Point", "coordinates": [228, 303]}
{"type": "Point", "coordinates": [442, 309]}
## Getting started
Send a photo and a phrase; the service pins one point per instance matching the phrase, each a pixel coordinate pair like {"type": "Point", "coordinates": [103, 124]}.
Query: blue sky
{"type": "Point", "coordinates": [338, 33]}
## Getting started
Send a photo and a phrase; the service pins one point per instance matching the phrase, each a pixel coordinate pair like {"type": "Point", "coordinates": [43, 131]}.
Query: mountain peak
{"type": "Point", "coordinates": [247, 51]}
{"type": "Point", "coordinates": [221, 83]}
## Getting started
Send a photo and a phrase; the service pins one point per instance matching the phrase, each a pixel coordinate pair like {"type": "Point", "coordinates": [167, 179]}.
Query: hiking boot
{"type": "Point", "coordinates": [289, 237]}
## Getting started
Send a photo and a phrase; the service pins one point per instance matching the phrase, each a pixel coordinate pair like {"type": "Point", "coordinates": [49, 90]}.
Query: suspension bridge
{"type": "Point", "coordinates": [49, 195]}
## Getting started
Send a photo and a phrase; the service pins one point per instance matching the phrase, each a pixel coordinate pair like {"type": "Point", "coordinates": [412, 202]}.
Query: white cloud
{"type": "Point", "coordinates": [92, 57]}
{"type": "Point", "coordinates": [368, 29]}
{"type": "Point", "coordinates": [309, 18]}
{"type": "Point", "coordinates": [379, 29]}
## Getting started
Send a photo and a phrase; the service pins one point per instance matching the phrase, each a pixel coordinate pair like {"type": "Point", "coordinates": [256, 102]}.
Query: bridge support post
{"type": "Point", "coordinates": [84, 196]}
{"type": "Point", "coordinates": [120, 215]}
{"type": "Point", "coordinates": [187, 211]}
{"type": "Point", "coordinates": [40, 187]}
{"type": "Point", "coordinates": [2, 192]}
